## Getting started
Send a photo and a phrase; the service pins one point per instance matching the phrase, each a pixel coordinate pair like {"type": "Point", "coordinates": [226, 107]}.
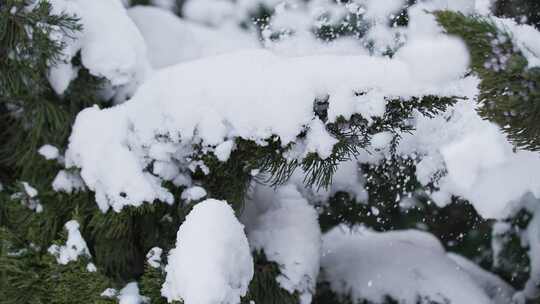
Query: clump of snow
{"type": "Point", "coordinates": [109, 293]}
{"type": "Point", "coordinates": [285, 227]}
{"type": "Point", "coordinates": [29, 190]}
{"type": "Point", "coordinates": [212, 262]}
{"type": "Point", "coordinates": [67, 182]}
{"type": "Point", "coordinates": [130, 295]}
{"type": "Point", "coordinates": [194, 193]}
{"type": "Point", "coordinates": [477, 157]}
{"type": "Point", "coordinates": [203, 100]}
{"type": "Point", "coordinates": [75, 245]}
{"type": "Point", "coordinates": [153, 257]}
{"type": "Point", "coordinates": [525, 37]}
{"type": "Point", "coordinates": [49, 152]}
{"type": "Point", "coordinates": [405, 265]}
{"type": "Point", "coordinates": [91, 267]}
{"type": "Point", "coordinates": [28, 197]}
{"type": "Point", "coordinates": [172, 40]}
{"type": "Point", "coordinates": [318, 140]}
{"type": "Point", "coordinates": [109, 43]}
{"type": "Point", "coordinates": [223, 150]}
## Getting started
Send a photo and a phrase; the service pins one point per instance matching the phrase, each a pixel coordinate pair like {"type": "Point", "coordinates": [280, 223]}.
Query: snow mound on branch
{"type": "Point", "coordinates": [212, 262]}
{"type": "Point", "coordinates": [405, 265]}
{"type": "Point", "coordinates": [110, 45]}
{"type": "Point", "coordinates": [171, 39]}
{"type": "Point", "coordinates": [250, 94]}
{"type": "Point", "coordinates": [285, 227]}
{"type": "Point", "coordinates": [75, 245]}
{"type": "Point", "coordinates": [478, 159]}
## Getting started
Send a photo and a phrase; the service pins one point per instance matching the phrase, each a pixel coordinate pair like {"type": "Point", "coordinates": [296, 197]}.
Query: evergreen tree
{"type": "Point", "coordinates": [66, 236]}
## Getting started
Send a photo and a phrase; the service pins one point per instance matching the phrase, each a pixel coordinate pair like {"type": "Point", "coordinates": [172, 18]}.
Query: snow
{"type": "Point", "coordinates": [435, 59]}
{"type": "Point", "coordinates": [153, 257]}
{"type": "Point", "coordinates": [75, 245]}
{"type": "Point", "coordinates": [49, 152]}
{"type": "Point", "coordinates": [405, 265]}
{"type": "Point", "coordinates": [67, 182]}
{"type": "Point", "coordinates": [203, 100]}
{"type": "Point", "coordinates": [194, 193]}
{"type": "Point", "coordinates": [318, 140]}
{"type": "Point", "coordinates": [109, 43]}
{"type": "Point", "coordinates": [130, 295]}
{"type": "Point", "coordinates": [283, 225]}
{"type": "Point", "coordinates": [211, 254]}
{"type": "Point", "coordinates": [525, 37]}
{"type": "Point", "coordinates": [477, 157]}
{"type": "Point", "coordinates": [30, 191]}
{"type": "Point", "coordinates": [91, 267]}
{"type": "Point", "coordinates": [223, 150]}
{"type": "Point", "coordinates": [498, 290]}
{"type": "Point", "coordinates": [172, 40]}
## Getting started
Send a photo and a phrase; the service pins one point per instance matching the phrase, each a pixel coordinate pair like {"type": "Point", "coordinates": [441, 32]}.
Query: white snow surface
{"type": "Point", "coordinates": [75, 245]}
{"type": "Point", "coordinates": [405, 265]}
{"type": "Point", "coordinates": [211, 263]}
{"type": "Point", "coordinates": [241, 94]}
{"type": "Point", "coordinates": [281, 223]}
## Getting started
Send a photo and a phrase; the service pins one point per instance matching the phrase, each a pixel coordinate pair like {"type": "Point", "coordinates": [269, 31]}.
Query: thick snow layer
{"type": "Point", "coordinates": [212, 262]}
{"type": "Point", "coordinates": [405, 265]}
{"type": "Point", "coordinates": [283, 225]}
{"type": "Point", "coordinates": [110, 45]}
{"type": "Point", "coordinates": [171, 39]}
{"type": "Point", "coordinates": [75, 245]}
{"type": "Point", "coordinates": [249, 94]}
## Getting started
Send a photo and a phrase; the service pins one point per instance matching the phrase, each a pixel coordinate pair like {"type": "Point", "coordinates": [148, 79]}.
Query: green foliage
{"type": "Point", "coordinates": [150, 284]}
{"type": "Point", "coordinates": [509, 92]}
{"type": "Point", "coordinates": [28, 276]}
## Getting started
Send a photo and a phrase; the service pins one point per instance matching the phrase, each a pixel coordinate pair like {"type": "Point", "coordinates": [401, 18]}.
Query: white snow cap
{"type": "Point", "coordinates": [285, 227]}
{"type": "Point", "coordinates": [211, 263]}
{"type": "Point", "coordinates": [75, 245]}
{"type": "Point", "coordinates": [405, 265]}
